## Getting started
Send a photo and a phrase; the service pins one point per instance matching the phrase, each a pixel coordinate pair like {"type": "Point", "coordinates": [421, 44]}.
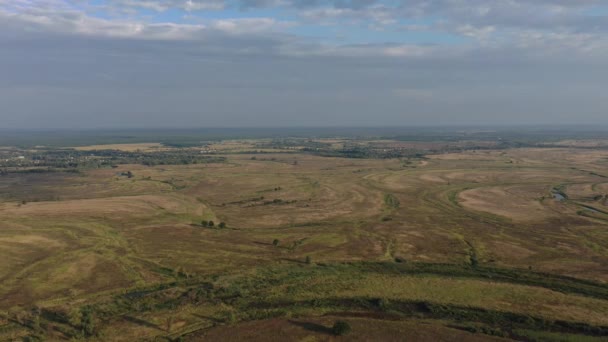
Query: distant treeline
{"type": "Point", "coordinates": [68, 159]}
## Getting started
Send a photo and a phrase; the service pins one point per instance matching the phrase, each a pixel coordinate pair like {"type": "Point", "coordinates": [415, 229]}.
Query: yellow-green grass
{"type": "Point", "coordinates": [464, 292]}
{"type": "Point", "coordinates": [86, 236]}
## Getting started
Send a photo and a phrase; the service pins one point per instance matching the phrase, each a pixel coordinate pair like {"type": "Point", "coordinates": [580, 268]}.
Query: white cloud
{"type": "Point", "coordinates": [407, 51]}
{"type": "Point", "coordinates": [71, 21]}
{"type": "Point", "coordinates": [164, 5]}
{"type": "Point", "coordinates": [479, 33]}
{"type": "Point", "coordinates": [250, 25]}
{"type": "Point", "coordinates": [116, 59]}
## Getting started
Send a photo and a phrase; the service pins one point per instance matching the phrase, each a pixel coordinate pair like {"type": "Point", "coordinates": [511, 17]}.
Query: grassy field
{"type": "Point", "coordinates": [482, 244]}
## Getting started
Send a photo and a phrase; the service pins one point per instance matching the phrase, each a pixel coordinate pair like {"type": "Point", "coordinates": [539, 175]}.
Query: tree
{"type": "Point", "coordinates": [222, 225]}
{"type": "Point", "coordinates": [204, 223]}
{"type": "Point", "coordinates": [308, 259]}
{"type": "Point", "coordinates": [275, 242]}
{"type": "Point", "coordinates": [211, 223]}
{"type": "Point", "coordinates": [382, 303]}
{"type": "Point", "coordinates": [74, 317]}
{"type": "Point", "coordinates": [341, 328]}
{"type": "Point", "coordinates": [391, 201]}
{"type": "Point", "coordinates": [474, 261]}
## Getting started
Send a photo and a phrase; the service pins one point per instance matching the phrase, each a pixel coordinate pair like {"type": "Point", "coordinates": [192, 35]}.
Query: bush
{"type": "Point", "coordinates": [275, 242]}
{"type": "Point", "coordinates": [341, 328]}
{"type": "Point", "coordinates": [229, 317]}
{"type": "Point", "coordinates": [474, 261]}
{"type": "Point", "coordinates": [222, 225]}
{"type": "Point", "coordinates": [391, 201]}
{"type": "Point", "coordinates": [210, 223]}
{"type": "Point", "coordinates": [87, 322]}
{"type": "Point", "coordinates": [381, 303]}
{"type": "Point", "coordinates": [204, 223]}
{"type": "Point", "coordinates": [308, 259]}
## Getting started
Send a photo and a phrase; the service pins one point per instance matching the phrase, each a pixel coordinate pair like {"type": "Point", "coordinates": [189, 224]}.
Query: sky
{"type": "Point", "coordinates": [276, 63]}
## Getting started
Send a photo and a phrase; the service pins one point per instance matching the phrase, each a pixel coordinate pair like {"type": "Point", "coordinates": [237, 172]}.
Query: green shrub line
{"type": "Point", "coordinates": [401, 309]}
{"type": "Point", "coordinates": [248, 297]}
{"type": "Point", "coordinates": [553, 282]}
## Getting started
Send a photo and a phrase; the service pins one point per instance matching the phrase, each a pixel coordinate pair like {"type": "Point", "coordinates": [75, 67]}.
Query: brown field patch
{"type": "Point", "coordinates": [517, 203]}
{"type": "Point", "coordinates": [72, 276]}
{"type": "Point", "coordinates": [20, 249]}
{"type": "Point", "coordinates": [114, 208]}
{"type": "Point", "coordinates": [512, 251]}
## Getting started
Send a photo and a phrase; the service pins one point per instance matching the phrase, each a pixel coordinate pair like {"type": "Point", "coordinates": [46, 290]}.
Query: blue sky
{"type": "Point", "coordinates": [347, 22]}
{"type": "Point", "coordinates": [338, 30]}
{"type": "Point", "coordinates": [107, 63]}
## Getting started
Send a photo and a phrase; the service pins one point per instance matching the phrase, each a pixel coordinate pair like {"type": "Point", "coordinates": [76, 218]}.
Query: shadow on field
{"type": "Point", "coordinates": [312, 327]}
{"type": "Point", "coordinates": [269, 244]}
{"type": "Point", "coordinates": [141, 322]}
{"type": "Point", "coordinates": [297, 261]}
{"type": "Point", "coordinates": [263, 243]}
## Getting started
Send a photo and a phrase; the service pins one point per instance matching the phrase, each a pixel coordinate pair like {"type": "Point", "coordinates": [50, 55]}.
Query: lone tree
{"type": "Point", "coordinates": [275, 242]}
{"type": "Point", "coordinates": [341, 328]}
{"type": "Point", "coordinates": [473, 258]}
{"type": "Point", "coordinates": [222, 225]}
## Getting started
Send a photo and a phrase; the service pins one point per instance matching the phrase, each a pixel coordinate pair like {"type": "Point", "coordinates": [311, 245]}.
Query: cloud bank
{"type": "Point", "coordinates": [176, 63]}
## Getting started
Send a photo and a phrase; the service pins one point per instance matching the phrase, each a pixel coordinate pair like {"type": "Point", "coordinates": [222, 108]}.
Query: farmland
{"type": "Point", "coordinates": [428, 239]}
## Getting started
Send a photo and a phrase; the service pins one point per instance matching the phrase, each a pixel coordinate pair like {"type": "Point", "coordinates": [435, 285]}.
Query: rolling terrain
{"type": "Point", "coordinates": [475, 245]}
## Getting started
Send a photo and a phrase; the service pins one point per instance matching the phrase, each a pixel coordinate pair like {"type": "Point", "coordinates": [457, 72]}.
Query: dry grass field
{"type": "Point", "coordinates": [517, 233]}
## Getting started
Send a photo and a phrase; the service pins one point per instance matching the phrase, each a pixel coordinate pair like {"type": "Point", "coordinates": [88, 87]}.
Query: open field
{"type": "Point", "coordinates": [478, 245]}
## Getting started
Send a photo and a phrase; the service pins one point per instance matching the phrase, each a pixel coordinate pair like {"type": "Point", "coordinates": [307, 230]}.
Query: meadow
{"type": "Point", "coordinates": [421, 240]}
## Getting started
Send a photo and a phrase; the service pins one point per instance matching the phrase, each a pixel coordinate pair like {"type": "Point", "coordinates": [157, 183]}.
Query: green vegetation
{"type": "Point", "coordinates": [341, 328]}
{"type": "Point", "coordinates": [391, 201]}
{"type": "Point", "coordinates": [270, 293]}
{"type": "Point", "coordinates": [449, 239]}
